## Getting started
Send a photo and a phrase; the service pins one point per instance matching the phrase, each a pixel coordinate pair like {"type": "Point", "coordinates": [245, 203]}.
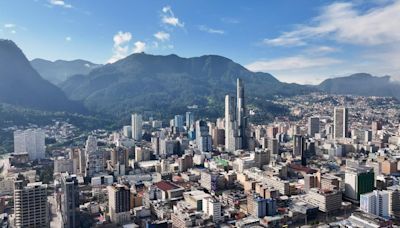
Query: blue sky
{"type": "Point", "coordinates": [297, 41]}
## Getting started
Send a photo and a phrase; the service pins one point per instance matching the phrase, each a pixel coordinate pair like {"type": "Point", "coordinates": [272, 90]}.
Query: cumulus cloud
{"type": "Point", "coordinates": [60, 3]}
{"type": "Point", "coordinates": [344, 23]}
{"type": "Point", "coordinates": [139, 47]}
{"type": "Point", "coordinates": [162, 36]}
{"type": "Point", "coordinates": [290, 63]}
{"type": "Point", "coordinates": [204, 28]}
{"type": "Point", "coordinates": [168, 17]}
{"type": "Point", "coordinates": [121, 46]}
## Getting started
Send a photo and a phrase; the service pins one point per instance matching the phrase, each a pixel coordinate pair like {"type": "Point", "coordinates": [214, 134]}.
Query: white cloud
{"type": "Point", "coordinates": [139, 47]}
{"type": "Point", "coordinates": [290, 63]}
{"type": "Point", "coordinates": [68, 38]}
{"type": "Point", "coordinates": [9, 25]}
{"type": "Point", "coordinates": [162, 36]}
{"type": "Point", "coordinates": [13, 31]}
{"type": "Point", "coordinates": [321, 50]}
{"type": "Point", "coordinates": [344, 23]}
{"type": "Point", "coordinates": [121, 46]}
{"type": "Point", "coordinates": [168, 17]}
{"type": "Point", "coordinates": [211, 30]}
{"type": "Point", "coordinates": [60, 3]}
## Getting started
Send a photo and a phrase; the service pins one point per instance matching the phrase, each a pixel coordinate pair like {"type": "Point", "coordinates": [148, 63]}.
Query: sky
{"type": "Point", "coordinates": [300, 41]}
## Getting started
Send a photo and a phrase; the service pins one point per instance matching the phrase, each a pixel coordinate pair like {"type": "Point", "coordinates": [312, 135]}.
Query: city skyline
{"type": "Point", "coordinates": [304, 43]}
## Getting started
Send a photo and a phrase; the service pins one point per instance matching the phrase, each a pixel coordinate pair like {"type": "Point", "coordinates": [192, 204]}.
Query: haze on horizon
{"type": "Point", "coordinates": [296, 41]}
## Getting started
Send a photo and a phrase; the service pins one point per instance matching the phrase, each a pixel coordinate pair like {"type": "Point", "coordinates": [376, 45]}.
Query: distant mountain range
{"type": "Point", "coordinates": [157, 85]}
{"type": "Point", "coordinates": [21, 85]}
{"type": "Point", "coordinates": [152, 83]}
{"type": "Point", "coordinates": [59, 70]}
{"type": "Point", "coordinates": [362, 84]}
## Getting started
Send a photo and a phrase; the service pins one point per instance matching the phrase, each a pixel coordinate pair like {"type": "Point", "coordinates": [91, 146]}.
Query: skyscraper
{"type": "Point", "coordinates": [230, 124]}
{"type": "Point", "coordinates": [241, 113]}
{"type": "Point", "coordinates": [236, 131]}
{"type": "Point", "coordinates": [340, 121]}
{"type": "Point", "coordinates": [189, 119]}
{"type": "Point", "coordinates": [358, 180]}
{"type": "Point", "coordinates": [203, 138]}
{"type": "Point", "coordinates": [376, 202]}
{"type": "Point", "coordinates": [69, 200]}
{"type": "Point", "coordinates": [313, 126]}
{"type": "Point", "coordinates": [137, 127]}
{"type": "Point", "coordinates": [94, 158]}
{"type": "Point", "coordinates": [31, 141]}
{"type": "Point", "coordinates": [30, 204]}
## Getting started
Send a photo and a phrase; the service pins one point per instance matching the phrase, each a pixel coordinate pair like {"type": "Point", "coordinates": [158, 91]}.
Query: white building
{"type": "Point", "coordinates": [31, 141]}
{"type": "Point", "coordinates": [93, 157]}
{"type": "Point", "coordinates": [212, 207]}
{"type": "Point", "coordinates": [376, 202]}
{"type": "Point", "coordinates": [137, 127]}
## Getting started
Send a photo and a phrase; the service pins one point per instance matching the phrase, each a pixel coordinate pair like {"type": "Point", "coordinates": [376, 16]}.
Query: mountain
{"type": "Point", "coordinates": [168, 84]}
{"type": "Point", "coordinates": [362, 84]}
{"type": "Point", "coordinates": [59, 70]}
{"type": "Point", "coordinates": [21, 85]}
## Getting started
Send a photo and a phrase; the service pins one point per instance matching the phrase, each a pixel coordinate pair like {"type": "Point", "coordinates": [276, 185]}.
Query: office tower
{"type": "Point", "coordinates": [394, 201]}
{"type": "Point", "coordinates": [185, 162]}
{"type": "Point", "coordinates": [340, 121]}
{"type": "Point", "coordinates": [376, 126]}
{"type": "Point", "coordinates": [127, 131]}
{"type": "Point", "coordinates": [189, 119]}
{"type": "Point", "coordinates": [30, 204]}
{"type": "Point", "coordinates": [137, 126]}
{"type": "Point", "coordinates": [178, 121]}
{"type": "Point", "coordinates": [310, 181]}
{"type": "Point", "coordinates": [31, 141]}
{"type": "Point", "coordinates": [82, 161]}
{"type": "Point", "coordinates": [241, 114]}
{"type": "Point", "coordinates": [376, 202]}
{"type": "Point", "coordinates": [230, 124]}
{"type": "Point", "coordinates": [260, 207]}
{"type": "Point", "coordinates": [119, 203]}
{"type": "Point", "coordinates": [326, 200]}
{"type": "Point", "coordinates": [212, 207]}
{"type": "Point", "coordinates": [120, 155]}
{"type": "Point", "coordinates": [298, 144]}
{"type": "Point", "coordinates": [94, 158]}
{"type": "Point", "coordinates": [142, 154]}
{"type": "Point", "coordinates": [367, 136]}
{"type": "Point", "coordinates": [358, 180]}
{"type": "Point", "coordinates": [203, 138]}
{"type": "Point", "coordinates": [237, 134]}
{"type": "Point", "coordinates": [69, 201]}
{"type": "Point", "coordinates": [273, 146]}
{"type": "Point", "coordinates": [313, 126]}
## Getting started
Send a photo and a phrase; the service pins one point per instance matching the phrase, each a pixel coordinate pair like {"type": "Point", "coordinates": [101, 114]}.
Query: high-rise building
{"type": "Point", "coordinates": [326, 200]}
{"type": "Point", "coordinates": [273, 146]}
{"type": "Point", "coordinates": [212, 207]}
{"type": "Point", "coordinates": [178, 121]}
{"type": "Point", "coordinates": [203, 138]}
{"type": "Point", "coordinates": [30, 204]}
{"type": "Point", "coordinates": [376, 202]}
{"type": "Point", "coordinates": [358, 180]}
{"type": "Point", "coordinates": [69, 201]}
{"type": "Point", "coordinates": [313, 126]}
{"type": "Point", "coordinates": [31, 141]}
{"type": "Point", "coordinates": [340, 121]}
{"type": "Point", "coordinates": [137, 126]}
{"type": "Point", "coordinates": [394, 201]}
{"type": "Point", "coordinates": [94, 158]}
{"type": "Point", "coordinates": [236, 130]}
{"type": "Point", "coordinates": [189, 120]}
{"type": "Point", "coordinates": [127, 130]}
{"type": "Point", "coordinates": [119, 203]}
{"type": "Point", "coordinates": [241, 114]}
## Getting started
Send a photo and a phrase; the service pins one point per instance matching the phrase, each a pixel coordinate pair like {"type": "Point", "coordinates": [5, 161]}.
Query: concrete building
{"type": "Point", "coordinates": [31, 141]}
{"type": "Point", "coordinates": [313, 126]}
{"type": "Point", "coordinates": [340, 121]}
{"type": "Point", "coordinates": [394, 201]}
{"type": "Point", "coordinates": [358, 180]}
{"type": "Point", "coordinates": [189, 120]}
{"type": "Point", "coordinates": [94, 158]}
{"type": "Point", "coordinates": [137, 126]}
{"type": "Point", "coordinates": [119, 203]}
{"type": "Point", "coordinates": [30, 204]}
{"type": "Point", "coordinates": [326, 200]}
{"type": "Point", "coordinates": [376, 202]}
{"type": "Point", "coordinates": [212, 207]}
{"type": "Point", "coordinates": [69, 201]}
{"type": "Point", "coordinates": [203, 138]}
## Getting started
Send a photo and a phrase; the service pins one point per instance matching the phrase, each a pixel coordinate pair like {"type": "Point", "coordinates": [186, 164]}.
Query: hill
{"type": "Point", "coordinates": [59, 70]}
{"type": "Point", "coordinates": [22, 85]}
{"type": "Point", "coordinates": [362, 84]}
{"type": "Point", "coordinates": [168, 84]}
